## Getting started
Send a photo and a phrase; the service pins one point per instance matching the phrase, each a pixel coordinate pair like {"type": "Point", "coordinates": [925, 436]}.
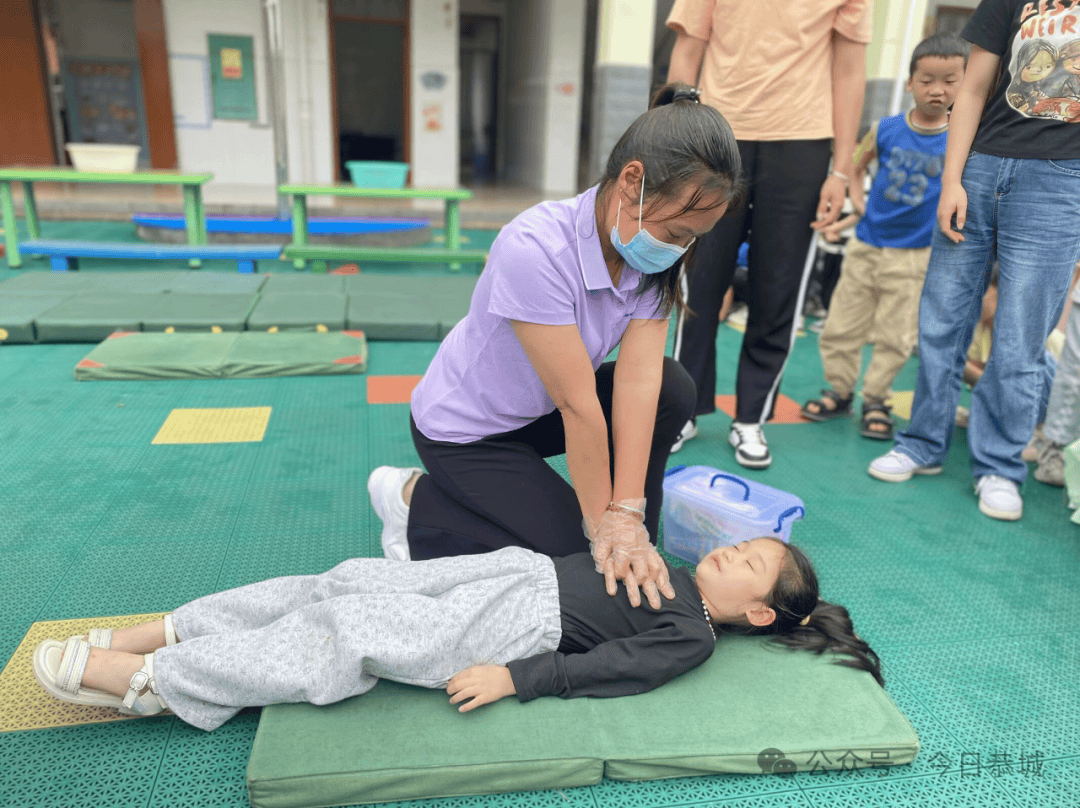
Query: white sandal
{"type": "Point", "coordinates": [102, 637]}
{"type": "Point", "coordinates": [59, 668]}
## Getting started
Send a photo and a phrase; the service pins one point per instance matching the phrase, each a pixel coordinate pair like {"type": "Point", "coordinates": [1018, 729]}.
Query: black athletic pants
{"type": "Point", "coordinates": [784, 181]}
{"type": "Point", "coordinates": [499, 492]}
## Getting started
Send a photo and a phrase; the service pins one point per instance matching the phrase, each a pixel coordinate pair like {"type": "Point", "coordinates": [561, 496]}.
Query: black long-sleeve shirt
{"type": "Point", "coordinates": [608, 647]}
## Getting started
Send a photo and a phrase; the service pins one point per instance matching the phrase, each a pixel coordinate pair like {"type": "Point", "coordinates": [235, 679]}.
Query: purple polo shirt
{"type": "Point", "coordinates": [545, 267]}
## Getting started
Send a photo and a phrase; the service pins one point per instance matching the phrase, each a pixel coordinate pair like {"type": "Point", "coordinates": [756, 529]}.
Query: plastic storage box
{"type": "Point", "coordinates": [116, 158]}
{"type": "Point", "coordinates": [705, 508]}
{"type": "Point", "coordinates": [377, 174]}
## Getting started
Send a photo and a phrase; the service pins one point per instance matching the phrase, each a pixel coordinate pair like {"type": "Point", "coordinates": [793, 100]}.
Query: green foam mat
{"type": "Point", "coordinates": [34, 282]}
{"type": "Point", "coordinates": [407, 307]}
{"type": "Point", "coordinates": [298, 312]}
{"type": "Point", "coordinates": [304, 283]}
{"type": "Point", "coordinates": [141, 281]}
{"type": "Point", "coordinates": [91, 317]}
{"type": "Point", "coordinates": [189, 311]}
{"type": "Point", "coordinates": [201, 282]}
{"type": "Point", "coordinates": [244, 355]}
{"type": "Point", "coordinates": [18, 313]}
{"type": "Point", "coordinates": [415, 745]}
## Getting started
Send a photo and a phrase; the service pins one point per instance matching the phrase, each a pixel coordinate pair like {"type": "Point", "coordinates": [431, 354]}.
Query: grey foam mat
{"type": "Point", "coordinates": [298, 312]}
{"type": "Point", "coordinates": [36, 282]}
{"type": "Point", "coordinates": [186, 311]}
{"type": "Point", "coordinates": [19, 312]}
{"type": "Point", "coordinates": [304, 283]}
{"type": "Point", "coordinates": [388, 307]}
{"type": "Point", "coordinates": [92, 317]}
{"type": "Point", "coordinates": [200, 282]}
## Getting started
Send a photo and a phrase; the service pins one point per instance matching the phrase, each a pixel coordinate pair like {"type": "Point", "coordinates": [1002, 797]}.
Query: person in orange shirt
{"type": "Point", "coordinates": [790, 79]}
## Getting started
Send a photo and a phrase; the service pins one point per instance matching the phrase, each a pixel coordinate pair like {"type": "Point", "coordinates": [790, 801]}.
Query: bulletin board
{"type": "Point", "coordinates": [232, 77]}
{"type": "Point", "coordinates": [104, 102]}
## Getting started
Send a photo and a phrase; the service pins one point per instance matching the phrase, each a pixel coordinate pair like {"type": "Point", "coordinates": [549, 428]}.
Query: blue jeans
{"type": "Point", "coordinates": [1025, 214]}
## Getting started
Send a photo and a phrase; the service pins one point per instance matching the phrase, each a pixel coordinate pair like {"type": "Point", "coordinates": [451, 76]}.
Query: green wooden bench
{"type": "Point", "coordinates": [194, 212]}
{"type": "Point", "coordinates": [301, 252]}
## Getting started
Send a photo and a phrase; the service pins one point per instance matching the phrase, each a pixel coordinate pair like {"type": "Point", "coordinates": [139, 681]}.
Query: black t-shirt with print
{"type": "Point", "coordinates": [1033, 111]}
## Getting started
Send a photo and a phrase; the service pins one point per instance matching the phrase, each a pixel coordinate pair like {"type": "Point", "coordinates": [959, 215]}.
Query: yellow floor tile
{"type": "Point", "coordinates": [223, 425]}
{"type": "Point", "coordinates": [24, 704]}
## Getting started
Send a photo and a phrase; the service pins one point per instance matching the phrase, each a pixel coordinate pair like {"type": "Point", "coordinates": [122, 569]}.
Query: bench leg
{"type": "Point", "coordinates": [63, 263]}
{"type": "Point", "coordinates": [245, 265]}
{"type": "Point", "coordinates": [11, 235]}
{"type": "Point", "coordinates": [192, 212]}
{"type": "Point", "coordinates": [299, 226]}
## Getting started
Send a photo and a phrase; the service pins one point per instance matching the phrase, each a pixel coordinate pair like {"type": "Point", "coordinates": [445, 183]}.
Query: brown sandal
{"type": "Point", "coordinates": [877, 414]}
{"type": "Point", "coordinates": [839, 408]}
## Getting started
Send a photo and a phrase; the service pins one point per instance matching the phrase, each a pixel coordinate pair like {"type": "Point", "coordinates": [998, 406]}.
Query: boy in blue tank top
{"type": "Point", "coordinates": [877, 297]}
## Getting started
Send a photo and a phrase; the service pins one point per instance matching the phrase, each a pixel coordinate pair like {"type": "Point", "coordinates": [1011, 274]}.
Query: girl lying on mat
{"type": "Point", "coordinates": [484, 626]}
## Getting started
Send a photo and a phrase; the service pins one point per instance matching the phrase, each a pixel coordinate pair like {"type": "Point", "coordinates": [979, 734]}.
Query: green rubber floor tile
{"type": "Point", "coordinates": [197, 466]}
{"type": "Point", "coordinates": [122, 579]}
{"type": "Point", "coordinates": [62, 518]}
{"type": "Point", "coordinates": [89, 766]}
{"type": "Point", "coordinates": [330, 452]}
{"type": "Point", "coordinates": [718, 789]}
{"type": "Point", "coordinates": [867, 789]}
{"type": "Point", "coordinates": [1000, 693]}
{"type": "Point", "coordinates": [211, 394]}
{"type": "Point", "coordinates": [312, 525]}
{"type": "Point", "coordinates": [400, 358]}
{"type": "Point", "coordinates": [178, 510]}
{"type": "Point", "coordinates": [27, 576]}
{"type": "Point", "coordinates": [334, 392]}
{"type": "Point", "coordinates": [205, 769]}
{"type": "Point", "coordinates": [935, 740]}
{"type": "Point", "coordinates": [1033, 783]}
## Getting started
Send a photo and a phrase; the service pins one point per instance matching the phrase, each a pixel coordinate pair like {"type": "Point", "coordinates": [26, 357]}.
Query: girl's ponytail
{"type": "Point", "coordinates": [805, 622]}
{"type": "Point", "coordinates": [829, 628]}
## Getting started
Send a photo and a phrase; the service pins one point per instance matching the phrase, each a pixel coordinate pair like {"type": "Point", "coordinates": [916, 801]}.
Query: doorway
{"type": "Point", "coordinates": [479, 65]}
{"type": "Point", "coordinates": [369, 44]}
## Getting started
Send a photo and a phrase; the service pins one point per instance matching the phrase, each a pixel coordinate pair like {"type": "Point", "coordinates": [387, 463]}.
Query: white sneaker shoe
{"type": "Point", "coordinates": [999, 498]}
{"type": "Point", "coordinates": [689, 432]}
{"type": "Point", "coordinates": [385, 486]}
{"type": "Point", "coordinates": [751, 449]}
{"type": "Point", "coordinates": [897, 467]}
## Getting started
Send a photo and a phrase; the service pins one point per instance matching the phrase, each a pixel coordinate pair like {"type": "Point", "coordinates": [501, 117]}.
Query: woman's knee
{"type": "Point", "coordinates": [678, 394]}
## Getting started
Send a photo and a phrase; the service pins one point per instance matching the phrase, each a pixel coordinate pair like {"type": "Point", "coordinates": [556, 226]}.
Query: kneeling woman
{"type": "Point", "coordinates": [483, 627]}
{"type": "Point", "coordinates": [523, 376]}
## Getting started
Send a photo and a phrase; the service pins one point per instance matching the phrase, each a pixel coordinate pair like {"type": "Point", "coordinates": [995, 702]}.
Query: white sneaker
{"type": "Point", "coordinates": [385, 486]}
{"type": "Point", "coordinates": [897, 467]}
{"type": "Point", "coordinates": [689, 432]}
{"type": "Point", "coordinates": [751, 450]}
{"type": "Point", "coordinates": [999, 497]}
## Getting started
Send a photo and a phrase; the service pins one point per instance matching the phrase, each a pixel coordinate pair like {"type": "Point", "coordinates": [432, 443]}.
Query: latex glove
{"type": "Point", "coordinates": [622, 551]}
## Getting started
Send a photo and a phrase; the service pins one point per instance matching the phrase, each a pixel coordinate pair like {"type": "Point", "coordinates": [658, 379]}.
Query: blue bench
{"type": "Point", "coordinates": [65, 255]}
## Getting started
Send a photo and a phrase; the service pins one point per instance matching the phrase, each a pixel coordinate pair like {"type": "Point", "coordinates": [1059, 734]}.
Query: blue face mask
{"type": "Point", "coordinates": [644, 252]}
